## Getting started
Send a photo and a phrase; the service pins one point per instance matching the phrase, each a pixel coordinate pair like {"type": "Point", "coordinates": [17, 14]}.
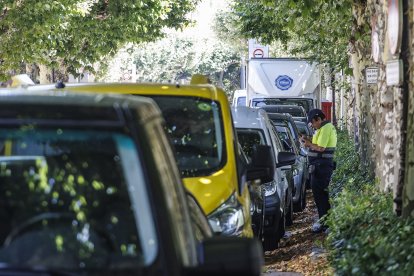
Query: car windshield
{"type": "Point", "coordinates": [248, 138]}
{"type": "Point", "coordinates": [196, 130]}
{"type": "Point", "coordinates": [305, 103]}
{"type": "Point", "coordinates": [303, 129]}
{"type": "Point", "coordinates": [285, 123]}
{"type": "Point", "coordinates": [69, 199]}
{"type": "Point", "coordinates": [284, 137]}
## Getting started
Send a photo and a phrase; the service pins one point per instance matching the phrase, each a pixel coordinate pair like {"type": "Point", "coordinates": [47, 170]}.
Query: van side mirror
{"type": "Point", "coordinates": [285, 158]}
{"type": "Point", "coordinates": [262, 164]}
{"type": "Point", "coordinates": [230, 256]}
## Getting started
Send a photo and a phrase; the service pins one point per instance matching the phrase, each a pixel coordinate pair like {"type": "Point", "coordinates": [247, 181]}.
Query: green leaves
{"type": "Point", "coordinates": [318, 30]}
{"type": "Point", "coordinates": [366, 238]}
{"type": "Point", "coordinates": [77, 33]}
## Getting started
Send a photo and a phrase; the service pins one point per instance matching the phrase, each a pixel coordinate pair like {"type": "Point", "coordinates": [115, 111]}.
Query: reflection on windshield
{"type": "Point", "coordinates": [65, 202]}
{"type": "Point", "coordinates": [195, 127]}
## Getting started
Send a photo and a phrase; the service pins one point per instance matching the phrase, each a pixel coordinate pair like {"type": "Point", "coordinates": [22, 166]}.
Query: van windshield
{"type": "Point", "coordinates": [66, 201]}
{"type": "Point", "coordinates": [196, 130]}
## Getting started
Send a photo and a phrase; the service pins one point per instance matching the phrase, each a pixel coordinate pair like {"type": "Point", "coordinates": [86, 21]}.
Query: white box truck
{"type": "Point", "coordinates": [283, 81]}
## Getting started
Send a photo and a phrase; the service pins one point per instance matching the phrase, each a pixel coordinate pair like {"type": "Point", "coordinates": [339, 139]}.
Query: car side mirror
{"type": "Point", "coordinates": [262, 164]}
{"type": "Point", "coordinates": [285, 158]}
{"type": "Point", "coordinates": [230, 256]}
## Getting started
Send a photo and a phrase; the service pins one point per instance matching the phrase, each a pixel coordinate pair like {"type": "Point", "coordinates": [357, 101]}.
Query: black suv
{"type": "Point", "coordinates": [89, 186]}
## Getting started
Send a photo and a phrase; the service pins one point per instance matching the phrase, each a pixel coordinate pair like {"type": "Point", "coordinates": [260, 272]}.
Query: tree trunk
{"type": "Point", "coordinates": [45, 74]}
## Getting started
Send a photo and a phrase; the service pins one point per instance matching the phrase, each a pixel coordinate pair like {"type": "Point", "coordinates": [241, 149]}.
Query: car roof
{"type": "Point", "coordinates": [200, 90]}
{"type": "Point", "coordinates": [247, 117]}
{"type": "Point", "coordinates": [276, 116]}
{"type": "Point", "coordinates": [282, 108]}
{"type": "Point", "coordinates": [68, 102]}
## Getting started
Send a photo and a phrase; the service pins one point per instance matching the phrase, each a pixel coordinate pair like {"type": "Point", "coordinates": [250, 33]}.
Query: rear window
{"type": "Point", "coordinates": [305, 103]}
{"type": "Point", "coordinates": [248, 138]}
{"type": "Point", "coordinates": [241, 101]}
{"type": "Point", "coordinates": [69, 201]}
{"type": "Point", "coordinates": [196, 131]}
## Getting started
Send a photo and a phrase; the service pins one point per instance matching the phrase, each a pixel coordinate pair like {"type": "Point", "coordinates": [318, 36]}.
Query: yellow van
{"type": "Point", "coordinates": [213, 166]}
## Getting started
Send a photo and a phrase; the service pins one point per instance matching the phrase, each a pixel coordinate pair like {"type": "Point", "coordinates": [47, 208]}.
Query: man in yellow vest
{"type": "Point", "coordinates": [321, 153]}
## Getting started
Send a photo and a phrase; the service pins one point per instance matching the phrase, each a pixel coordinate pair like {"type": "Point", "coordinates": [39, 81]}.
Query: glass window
{"type": "Point", "coordinates": [305, 103]}
{"type": "Point", "coordinates": [69, 201]}
{"type": "Point", "coordinates": [248, 138]}
{"type": "Point", "coordinates": [241, 101]}
{"type": "Point", "coordinates": [195, 127]}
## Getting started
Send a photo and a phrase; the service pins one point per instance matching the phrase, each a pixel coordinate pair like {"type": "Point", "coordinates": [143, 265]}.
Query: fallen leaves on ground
{"type": "Point", "coordinates": [301, 250]}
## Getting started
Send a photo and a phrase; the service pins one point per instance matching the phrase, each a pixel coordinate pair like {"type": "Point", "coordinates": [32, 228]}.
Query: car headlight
{"type": "Point", "coordinates": [269, 188]}
{"type": "Point", "coordinates": [228, 218]}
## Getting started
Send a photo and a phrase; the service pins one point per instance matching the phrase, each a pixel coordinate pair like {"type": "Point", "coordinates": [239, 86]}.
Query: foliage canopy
{"type": "Point", "coordinates": [320, 30]}
{"type": "Point", "coordinates": [79, 33]}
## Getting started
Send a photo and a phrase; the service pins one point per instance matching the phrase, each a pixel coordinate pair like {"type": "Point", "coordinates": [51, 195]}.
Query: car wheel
{"type": "Point", "coordinates": [304, 200]}
{"type": "Point", "coordinates": [297, 207]}
{"type": "Point", "coordinates": [301, 204]}
{"type": "Point", "coordinates": [271, 240]}
{"type": "Point", "coordinates": [289, 214]}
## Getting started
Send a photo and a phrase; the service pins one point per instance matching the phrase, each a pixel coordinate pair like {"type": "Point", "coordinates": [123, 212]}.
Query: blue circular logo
{"type": "Point", "coordinates": [284, 82]}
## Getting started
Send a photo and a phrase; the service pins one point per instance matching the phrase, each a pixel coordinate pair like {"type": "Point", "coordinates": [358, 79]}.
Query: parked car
{"type": "Point", "coordinates": [286, 120]}
{"type": "Point", "coordinates": [296, 111]}
{"type": "Point", "coordinates": [198, 121]}
{"type": "Point", "coordinates": [89, 186]}
{"type": "Point", "coordinates": [257, 207]}
{"type": "Point", "coordinates": [300, 168]}
{"type": "Point", "coordinates": [255, 128]}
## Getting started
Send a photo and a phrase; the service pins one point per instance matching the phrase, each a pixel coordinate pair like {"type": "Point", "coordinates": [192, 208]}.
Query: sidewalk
{"type": "Point", "coordinates": [300, 252]}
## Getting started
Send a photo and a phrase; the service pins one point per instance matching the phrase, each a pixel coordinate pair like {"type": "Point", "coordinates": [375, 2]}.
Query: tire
{"type": "Point", "coordinates": [271, 240]}
{"type": "Point", "coordinates": [289, 214]}
{"type": "Point", "coordinates": [304, 200]}
{"type": "Point", "coordinates": [270, 243]}
{"type": "Point", "coordinates": [301, 204]}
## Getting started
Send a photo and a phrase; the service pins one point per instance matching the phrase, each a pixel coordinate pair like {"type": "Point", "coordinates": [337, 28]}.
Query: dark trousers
{"type": "Point", "coordinates": [320, 179]}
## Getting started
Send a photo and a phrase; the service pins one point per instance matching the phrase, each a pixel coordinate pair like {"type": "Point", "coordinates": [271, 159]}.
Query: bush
{"type": "Point", "coordinates": [366, 238]}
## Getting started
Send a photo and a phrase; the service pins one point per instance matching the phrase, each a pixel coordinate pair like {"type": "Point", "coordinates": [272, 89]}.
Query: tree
{"type": "Point", "coordinates": [309, 31]}
{"type": "Point", "coordinates": [78, 33]}
{"type": "Point", "coordinates": [176, 58]}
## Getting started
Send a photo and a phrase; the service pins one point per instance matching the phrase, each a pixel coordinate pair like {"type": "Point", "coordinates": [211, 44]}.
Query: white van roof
{"type": "Point", "coordinates": [247, 117]}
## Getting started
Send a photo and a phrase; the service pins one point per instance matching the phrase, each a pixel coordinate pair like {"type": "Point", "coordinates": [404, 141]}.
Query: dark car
{"type": "Point", "coordinates": [254, 128]}
{"type": "Point", "coordinates": [90, 186]}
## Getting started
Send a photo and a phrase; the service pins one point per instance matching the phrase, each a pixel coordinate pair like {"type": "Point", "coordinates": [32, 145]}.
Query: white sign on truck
{"type": "Point", "coordinates": [283, 78]}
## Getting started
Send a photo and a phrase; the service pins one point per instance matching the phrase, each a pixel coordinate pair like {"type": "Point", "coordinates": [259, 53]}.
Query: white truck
{"type": "Point", "coordinates": [283, 81]}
